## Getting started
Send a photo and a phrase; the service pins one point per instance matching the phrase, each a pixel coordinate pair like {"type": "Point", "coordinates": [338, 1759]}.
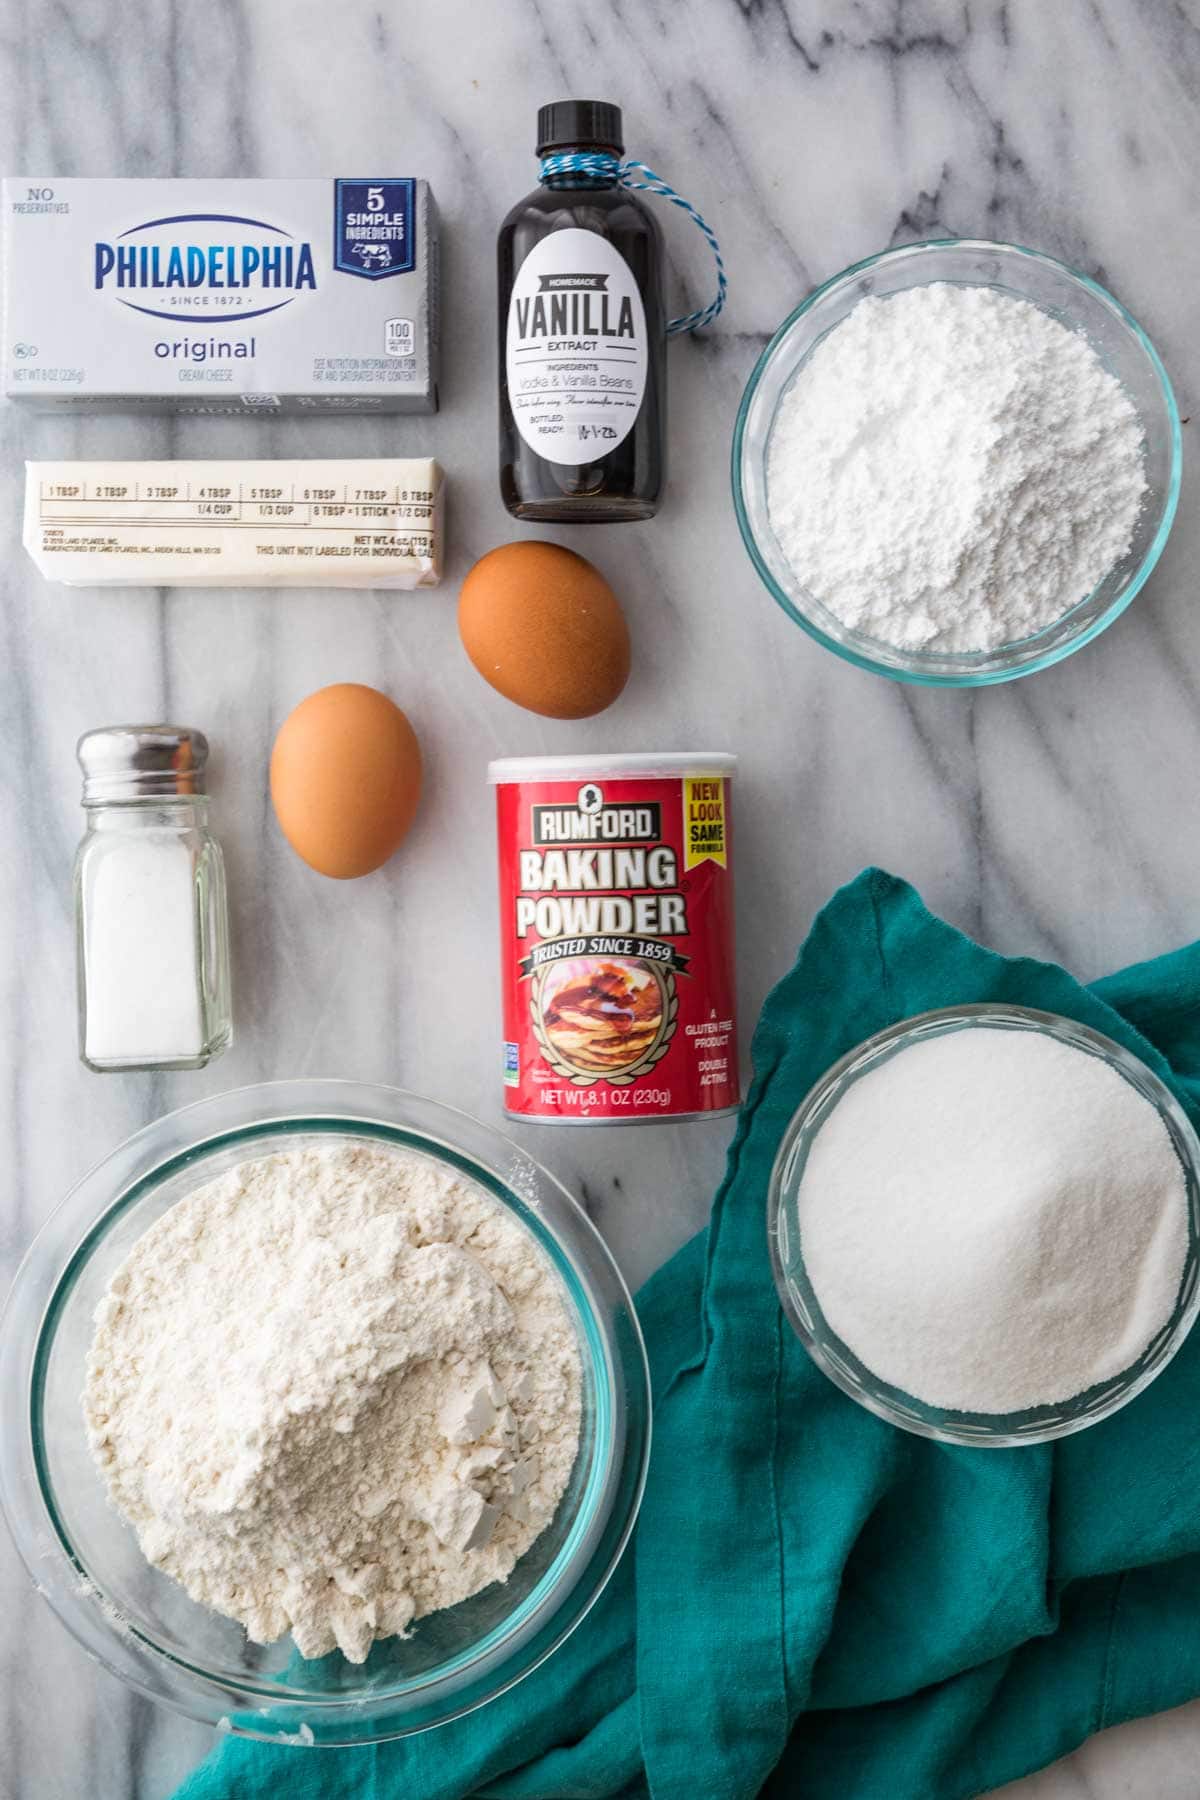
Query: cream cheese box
{"type": "Point", "coordinates": [221, 296]}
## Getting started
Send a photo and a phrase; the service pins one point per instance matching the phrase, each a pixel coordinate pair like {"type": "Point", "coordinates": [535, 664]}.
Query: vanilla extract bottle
{"type": "Point", "coordinates": [582, 332]}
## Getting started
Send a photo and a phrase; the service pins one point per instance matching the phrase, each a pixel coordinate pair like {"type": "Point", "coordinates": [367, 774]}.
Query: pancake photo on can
{"type": "Point", "coordinates": [601, 1017]}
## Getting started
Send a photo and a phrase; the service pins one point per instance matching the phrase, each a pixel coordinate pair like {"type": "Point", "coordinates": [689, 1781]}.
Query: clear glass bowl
{"type": "Point", "coordinates": [138, 1622]}
{"type": "Point", "coordinates": [1035, 1425]}
{"type": "Point", "coordinates": [1074, 299]}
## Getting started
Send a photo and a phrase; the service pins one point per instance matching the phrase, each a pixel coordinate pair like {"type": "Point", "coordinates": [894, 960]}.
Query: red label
{"type": "Point", "coordinates": [616, 928]}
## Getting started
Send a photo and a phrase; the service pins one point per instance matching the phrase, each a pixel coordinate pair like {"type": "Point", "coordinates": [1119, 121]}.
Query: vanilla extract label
{"type": "Point", "coordinates": [574, 306]}
{"type": "Point", "coordinates": [576, 352]}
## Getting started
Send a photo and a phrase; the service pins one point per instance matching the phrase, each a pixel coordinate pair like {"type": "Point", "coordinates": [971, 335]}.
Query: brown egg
{"type": "Point", "coordinates": [544, 627]}
{"type": "Point", "coordinates": [345, 779]}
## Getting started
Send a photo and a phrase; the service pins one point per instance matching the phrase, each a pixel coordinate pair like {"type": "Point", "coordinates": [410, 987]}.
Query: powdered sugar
{"type": "Point", "coordinates": [993, 1220]}
{"type": "Point", "coordinates": [333, 1390]}
{"type": "Point", "coordinates": [952, 469]}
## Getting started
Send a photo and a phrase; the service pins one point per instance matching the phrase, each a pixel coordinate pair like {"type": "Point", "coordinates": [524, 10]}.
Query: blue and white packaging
{"type": "Point", "coordinates": [224, 296]}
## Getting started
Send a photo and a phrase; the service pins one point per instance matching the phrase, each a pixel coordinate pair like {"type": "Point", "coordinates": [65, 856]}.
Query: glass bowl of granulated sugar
{"type": "Point", "coordinates": [325, 1413]}
{"type": "Point", "coordinates": [957, 462]}
{"type": "Point", "coordinates": [984, 1225]}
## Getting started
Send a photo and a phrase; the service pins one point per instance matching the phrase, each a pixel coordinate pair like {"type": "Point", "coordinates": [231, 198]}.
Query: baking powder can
{"type": "Point", "coordinates": [616, 936]}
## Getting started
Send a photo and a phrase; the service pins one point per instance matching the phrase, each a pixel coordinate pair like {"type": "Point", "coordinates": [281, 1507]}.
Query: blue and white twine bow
{"type": "Point", "coordinates": [594, 164]}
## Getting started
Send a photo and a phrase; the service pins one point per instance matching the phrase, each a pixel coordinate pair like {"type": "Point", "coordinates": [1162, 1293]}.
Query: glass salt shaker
{"type": "Point", "coordinates": [152, 927]}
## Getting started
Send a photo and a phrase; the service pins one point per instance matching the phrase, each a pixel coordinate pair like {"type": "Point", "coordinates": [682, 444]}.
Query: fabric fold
{"type": "Point", "coordinates": [816, 1603]}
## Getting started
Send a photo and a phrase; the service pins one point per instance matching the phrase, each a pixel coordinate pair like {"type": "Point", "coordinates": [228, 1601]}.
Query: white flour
{"type": "Point", "coordinates": [993, 1220]}
{"type": "Point", "coordinates": [334, 1390]}
{"type": "Point", "coordinates": [953, 469]}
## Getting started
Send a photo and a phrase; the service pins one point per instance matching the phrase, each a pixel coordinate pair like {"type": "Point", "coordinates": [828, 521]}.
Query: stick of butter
{"type": "Point", "coordinates": [363, 522]}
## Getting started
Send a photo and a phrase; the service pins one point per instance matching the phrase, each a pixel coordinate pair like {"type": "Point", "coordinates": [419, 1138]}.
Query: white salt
{"type": "Point", "coordinates": [141, 952]}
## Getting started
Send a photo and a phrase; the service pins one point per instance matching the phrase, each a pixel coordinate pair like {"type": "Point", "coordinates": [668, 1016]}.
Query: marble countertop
{"type": "Point", "coordinates": [1056, 816]}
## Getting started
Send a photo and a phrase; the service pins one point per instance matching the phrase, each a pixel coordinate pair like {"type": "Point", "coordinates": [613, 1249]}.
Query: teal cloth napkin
{"type": "Point", "coordinates": [816, 1604]}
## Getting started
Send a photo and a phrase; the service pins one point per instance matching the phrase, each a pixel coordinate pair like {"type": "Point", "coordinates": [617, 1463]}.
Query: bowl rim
{"type": "Point", "coordinates": [961, 678]}
{"type": "Point", "coordinates": [973, 1430]}
{"type": "Point", "coordinates": [614, 1485]}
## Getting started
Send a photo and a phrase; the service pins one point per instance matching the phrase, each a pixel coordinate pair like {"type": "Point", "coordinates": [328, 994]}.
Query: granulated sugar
{"type": "Point", "coordinates": [953, 470]}
{"type": "Point", "coordinates": [993, 1220]}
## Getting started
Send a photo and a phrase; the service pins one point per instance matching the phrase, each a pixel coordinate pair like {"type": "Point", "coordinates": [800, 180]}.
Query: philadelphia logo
{"type": "Point", "coordinates": [159, 257]}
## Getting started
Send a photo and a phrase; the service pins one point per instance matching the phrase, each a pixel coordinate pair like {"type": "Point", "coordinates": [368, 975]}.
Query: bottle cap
{"type": "Point", "coordinates": [142, 762]}
{"type": "Point", "coordinates": [579, 125]}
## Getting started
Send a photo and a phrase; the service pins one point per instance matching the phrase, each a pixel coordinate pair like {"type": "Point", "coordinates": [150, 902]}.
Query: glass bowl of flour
{"type": "Point", "coordinates": [984, 1225]}
{"type": "Point", "coordinates": [326, 1412]}
{"type": "Point", "coordinates": [957, 462]}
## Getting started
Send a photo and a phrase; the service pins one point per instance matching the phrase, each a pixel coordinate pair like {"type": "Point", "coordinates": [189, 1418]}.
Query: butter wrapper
{"type": "Point", "coordinates": [363, 522]}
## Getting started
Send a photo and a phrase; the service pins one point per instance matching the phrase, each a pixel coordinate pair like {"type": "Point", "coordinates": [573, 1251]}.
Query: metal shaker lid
{"type": "Point", "coordinates": [142, 762]}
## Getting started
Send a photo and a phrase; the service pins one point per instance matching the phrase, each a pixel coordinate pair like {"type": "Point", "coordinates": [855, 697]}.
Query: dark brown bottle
{"type": "Point", "coordinates": [582, 333]}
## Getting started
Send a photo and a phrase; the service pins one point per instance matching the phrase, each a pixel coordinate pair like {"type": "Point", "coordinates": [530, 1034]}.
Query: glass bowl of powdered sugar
{"type": "Point", "coordinates": [957, 462]}
{"type": "Point", "coordinates": [984, 1224]}
{"type": "Point", "coordinates": [325, 1412]}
